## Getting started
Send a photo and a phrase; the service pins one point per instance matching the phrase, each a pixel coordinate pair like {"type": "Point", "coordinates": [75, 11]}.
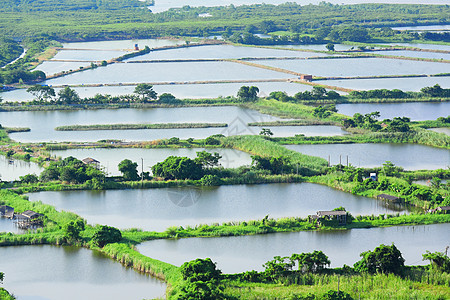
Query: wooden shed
{"type": "Point", "coordinates": [340, 215]}
{"type": "Point", "coordinates": [29, 219]}
{"type": "Point", "coordinates": [91, 161]}
{"type": "Point", "coordinates": [306, 77]}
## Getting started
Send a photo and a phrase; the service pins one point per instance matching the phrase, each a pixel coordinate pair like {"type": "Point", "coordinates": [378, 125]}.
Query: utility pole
{"type": "Point", "coordinates": [142, 172]}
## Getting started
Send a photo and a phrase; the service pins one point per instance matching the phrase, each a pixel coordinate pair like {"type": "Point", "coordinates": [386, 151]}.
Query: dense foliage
{"type": "Point", "coordinates": [72, 170]}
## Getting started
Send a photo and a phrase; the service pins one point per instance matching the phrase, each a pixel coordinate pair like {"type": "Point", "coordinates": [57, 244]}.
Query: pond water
{"type": "Point", "coordinates": [163, 5]}
{"type": "Point", "coordinates": [47, 272]}
{"type": "Point", "coordinates": [110, 158]}
{"type": "Point", "coordinates": [42, 123]}
{"type": "Point", "coordinates": [424, 27]}
{"type": "Point", "coordinates": [7, 225]}
{"type": "Point", "coordinates": [423, 46]}
{"type": "Point", "coordinates": [407, 156]}
{"type": "Point", "coordinates": [88, 55]}
{"type": "Point", "coordinates": [358, 66]}
{"type": "Point", "coordinates": [417, 111]}
{"type": "Point", "coordinates": [445, 130]}
{"type": "Point", "coordinates": [13, 170]}
{"type": "Point", "coordinates": [221, 52]}
{"type": "Point", "coordinates": [404, 84]}
{"type": "Point", "coordinates": [167, 72]}
{"type": "Point", "coordinates": [181, 91]}
{"type": "Point", "coordinates": [321, 47]}
{"type": "Point", "coordinates": [245, 253]}
{"type": "Point", "coordinates": [420, 54]}
{"type": "Point", "coordinates": [53, 67]}
{"type": "Point", "coordinates": [123, 44]}
{"type": "Point", "coordinates": [158, 209]}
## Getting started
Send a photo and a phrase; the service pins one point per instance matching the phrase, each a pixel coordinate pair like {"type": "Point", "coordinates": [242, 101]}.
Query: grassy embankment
{"type": "Point", "coordinates": [125, 253]}
{"type": "Point", "coordinates": [418, 283]}
{"type": "Point", "coordinates": [138, 126]}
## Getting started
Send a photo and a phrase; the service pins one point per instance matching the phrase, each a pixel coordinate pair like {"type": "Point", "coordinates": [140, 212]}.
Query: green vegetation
{"type": "Point", "coordinates": [9, 50]}
{"type": "Point", "coordinates": [138, 126]}
{"type": "Point", "coordinates": [302, 24]}
{"type": "Point", "coordinates": [390, 181]}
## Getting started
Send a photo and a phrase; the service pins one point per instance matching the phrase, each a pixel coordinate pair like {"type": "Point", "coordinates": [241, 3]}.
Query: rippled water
{"type": "Point", "coordinates": [158, 209]}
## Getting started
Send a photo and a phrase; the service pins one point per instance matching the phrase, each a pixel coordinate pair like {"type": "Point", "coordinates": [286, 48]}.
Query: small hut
{"type": "Point", "coordinates": [92, 162]}
{"type": "Point", "coordinates": [339, 215]}
{"type": "Point", "coordinates": [29, 219]}
{"type": "Point", "coordinates": [306, 77]}
{"type": "Point", "coordinates": [7, 211]}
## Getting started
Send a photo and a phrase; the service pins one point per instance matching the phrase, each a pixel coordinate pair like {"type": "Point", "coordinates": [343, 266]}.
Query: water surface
{"type": "Point", "coordinates": [47, 272]}
{"type": "Point", "coordinates": [158, 209]}
{"type": "Point", "coordinates": [416, 111]}
{"type": "Point", "coordinates": [167, 72]}
{"type": "Point", "coordinates": [358, 66]}
{"type": "Point", "coordinates": [123, 44]}
{"type": "Point", "coordinates": [42, 123]}
{"type": "Point", "coordinates": [420, 54]}
{"type": "Point", "coordinates": [181, 91]}
{"type": "Point", "coordinates": [221, 52]}
{"type": "Point", "coordinates": [404, 84]}
{"type": "Point", "coordinates": [407, 156]}
{"type": "Point", "coordinates": [245, 253]}
{"type": "Point", "coordinates": [445, 130]}
{"type": "Point", "coordinates": [13, 169]}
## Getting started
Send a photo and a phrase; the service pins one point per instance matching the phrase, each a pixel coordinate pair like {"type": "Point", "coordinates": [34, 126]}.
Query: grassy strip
{"type": "Point", "coordinates": [430, 124]}
{"type": "Point", "coordinates": [146, 184]}
{"type": "Point", "coordinates": [361, 286]}
{"type": "Point", "coordinates": [4, 138]}
{"type": "Point", "coordinates": [138, 126]}
{"type": "Point", "coordinates": [259, 146]}
{"type": "Point", "coordinates": [16, 129]}
{"type": "Point", "coordinates": [291, 123]}
{"type": "Point", "coordinates": [295, 224]}
{"type": "Point", "coordinates": [292, 110]}
{"type": "Point", "coordinates": [4, 295]}
{"type": "Point", "coordinates": [417, 136]}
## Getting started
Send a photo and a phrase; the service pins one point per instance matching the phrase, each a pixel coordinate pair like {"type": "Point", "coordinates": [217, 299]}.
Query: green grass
{"type": "Point", "coordinates": [138, 126]}
{"type": "Point", "coordinates": [379, 286]}
{"type": "Point", "coordinates": [415, 136]}
{"type": "Point", "coordinates": [4, 295]}
{"type": "Point", "coordinates": [257, 145]}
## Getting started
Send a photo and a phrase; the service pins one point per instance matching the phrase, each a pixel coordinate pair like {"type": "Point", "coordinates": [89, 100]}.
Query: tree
{"type": "Point", "coordinates": [175, 167]}
{"type": "Point", "coordinates": [207, 159]}
{"type": "Point", "coordinates": [389, 168]}
{"type": "Point", "coordinates": [202, 280]}
{"type": "Point", "coordinates": [438, 261]}
{"type": "Point", "coordinates": [2, 276]}
{"type": "Point", "coordinates": [265, 132]}
{"type": "Point", "coordinates": [200, 270]}
{"type": "Point", "coordinates": [68, 96]}
{"type": "Point", "coordinates": [318, 92]}
{"type": "Point", "coordinates": [41, 92]}
{"type": "Point", "coordinates": [73, 228]}
{"type": "Point", "coordinates": [248, 94]}
{"type": "Point", "coordinates": [330, 47]}
{"type": "Point", "coordinates": [105, 235]}
{"type": "Point", "coordinates": [310, 262]}
{"type": "Point", "coordinates": [277, 267]}
{"type": "Point", "coordinates": [128, 170]}
{"type": "Point", "coordinates": [384, 259]}
{"type": "Point", "coordinates": [145, 91]}
{"type": "Point", "coordinates": [29, 178]}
